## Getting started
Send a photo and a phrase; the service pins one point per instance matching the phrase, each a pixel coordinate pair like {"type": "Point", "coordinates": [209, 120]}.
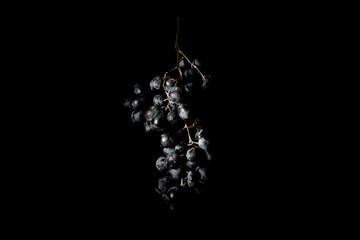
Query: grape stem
{"type": "Point", "coordinates": [178, 52]}
{"type": "Point", "coordinates": [191, 142]}
{"type": "Point", "coordinates": [177, 67]}
{"type": "Point", "coordinates": [182, 182]}
{"type": "Point", "coordinates": [177, 49]}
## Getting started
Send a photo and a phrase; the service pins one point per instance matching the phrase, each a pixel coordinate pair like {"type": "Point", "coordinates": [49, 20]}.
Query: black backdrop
{"type": "Point", "coordinates": [104, 166]}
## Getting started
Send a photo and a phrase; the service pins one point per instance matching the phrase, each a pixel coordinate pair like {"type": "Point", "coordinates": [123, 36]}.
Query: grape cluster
{"type": "Point", "coordinates": [164, 107]}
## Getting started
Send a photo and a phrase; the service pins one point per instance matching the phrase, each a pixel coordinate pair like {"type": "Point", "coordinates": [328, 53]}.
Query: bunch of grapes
{"type": "Point", "coordinates": [165, 107]}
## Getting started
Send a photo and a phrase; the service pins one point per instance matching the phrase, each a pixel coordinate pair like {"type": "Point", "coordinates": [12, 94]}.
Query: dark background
{"type": "Point", "coordinates": [102, 166]}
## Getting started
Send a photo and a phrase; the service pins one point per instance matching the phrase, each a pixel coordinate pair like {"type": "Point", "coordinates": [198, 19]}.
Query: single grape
{"type": "Point", "coordinates": [191, 154]}
{"type": "Point", "coordinates": [183, 111]}
{"type": "Point", "coordinates": [174, 173]}
{"type": "Point", "coordinates": [190, 179]}
{"type": "Point", "coordinates": [173, 106]}
{"type": "Point", "coordinates": [158, 100]}
{"type": "Point", "coordinates": [137, 89]}
{"type": "Point", "coordinates": [192, 165]}
{"type": "Point", "coordinates": [167, 150]}
{"type": "Point", "coordinates": [182, 62]}
{"type": "Point", "coordinates": [172, 158]}
{"type": "Point", "coordinates": [148, 126]}
{"type": "Point", "coordinates": [172, 117]}
{"type": "Point", "coordinates": [159, 120]}
{"type": "Point", "coordinates": [166, 140]}
{"type": "Point", "coordinates": [164, 184]}
{"type": "Point", "coordinates": [196, 62]}
{"type": "Point", "coordinates": [172, 192]}
{"type": "Point", "coordinates": [175, 94]}
{"type": "Point", "coordinates": [209, 156]}
{"type": "Point", "coordinates": [170, 82]}
{"type": "Point", "coordinates": [180, 148]}
{"type": "Point", "coordinates": [135, 103]}
{"type": "Point", "coordinates": [188, 86]}
{"type": "Point", "coordinates": [127, 103]}
{"type": "Point", "coordinates": [188, 73]}
{"type": "Point", "coordinates": [203, 144]}
{"type": "Point", "coordinates": [205, 85]}
{"type": "Point", "coordinates": [161, 164]}
{"type": "Point", "coordinates": [199, 134]}
{"type": "Point", "coordinates": [155, 83]}
{"type": "Point", "coordinates": [165, 198]}
{"type": "Point", "coordinates": [136, 116]}
{"type": "Point", "coordinates": [202, 174]}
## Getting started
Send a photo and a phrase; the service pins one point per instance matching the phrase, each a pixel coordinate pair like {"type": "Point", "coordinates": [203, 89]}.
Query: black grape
{"type": "Point", "coordinates": [190, 179]}
{"type": "Point", "coordinates": [191, 154]}
{"type": "Point", "coordinates": [183, 111]}
{"type": "Point", "coordinates": [188, 86]}
{"type": "Point", "coordinates": [174, 173]}
{"type": "Point", "coordinates": [199, 134]}
{"type": "Point", "coordinates": [182, 62]}
{"type": "Point", "coordinates": [189, 73]}
{"type": "Point", "coordinates": [196, 62]}
{"type": "Point", "coordinates": [170, 82]}
{"type": "Point", "coordinates": [158, 119]}
{"type": "Point", "coordinates": [166, 140]}
{"type": "Point", "coordinates": [127, 103]}
{"type": "Point", "coordinates": [180, 147]}
{"type": "Point", "coordinates": [172, 158]}
{"type": "Point", "coordinates": [167, 151]}
{"type": "Point", "coordinates": [158, 100]}
{"type": "Point", "coordinates": [161, 164]}
{"type": "Point", "coordinates": [148, 126]}
{"type": "Point", "coordinates": [192, 165]}
{"type": "Point", "coordinates": [136, 116]}
{"type": "Point", "coordinates": [202, 173]}
{"type": "Point", "coordinates": [173, 191]}
{"type": "Point", "coordinates": [175, 94]}
{"type": "Point", "coordinates": [203, 144]}
{"type": "Point", "coordinates": [135, 103]}
{"type": "Point", "coordinates": [172, 117]}
{"type": "Point", "coordinates": [155, 83]}
{"type": "Point", "coordinates": [164, 184]}
{"type": "Point", "coordinates": [137, 88]}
